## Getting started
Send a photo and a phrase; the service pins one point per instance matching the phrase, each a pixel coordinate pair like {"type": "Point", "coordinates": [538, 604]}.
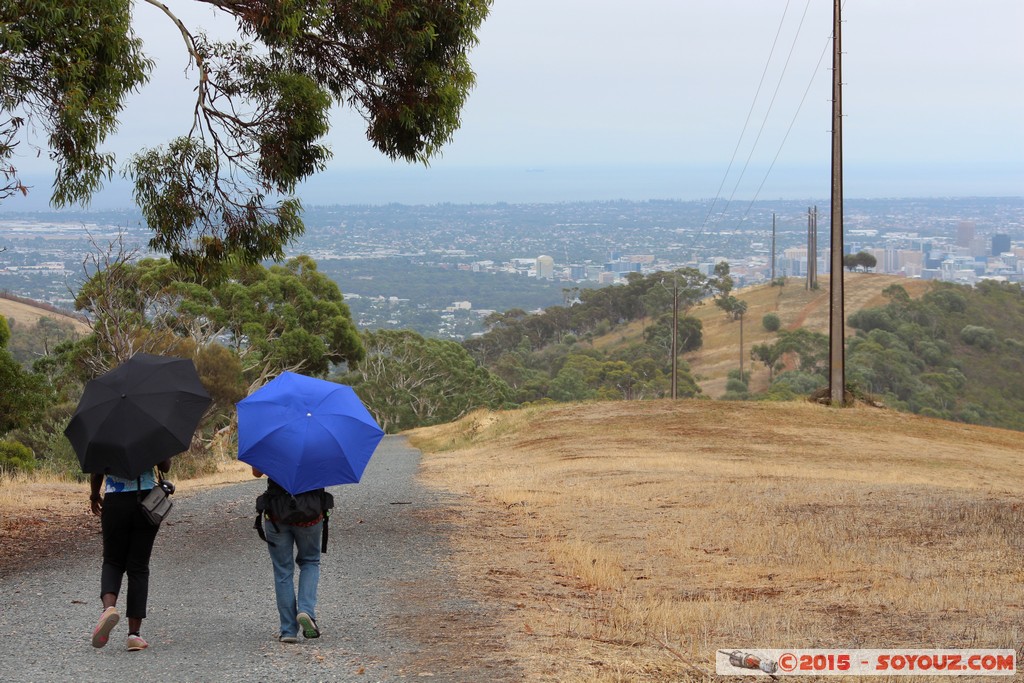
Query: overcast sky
{"type": "Point", "coordinates": [662, 99]}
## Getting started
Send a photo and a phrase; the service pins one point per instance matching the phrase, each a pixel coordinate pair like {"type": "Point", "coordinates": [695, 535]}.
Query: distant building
{"type": "Point", "coordinates": [964, 233]}
{"type": "Point", "coordinates": [794, 261]}
{"type": "Point", "coordinates": [910, 263]}
{"type": "Point", "coordinates": [545, 268]}
{"type": "Point", "coordinates": [1000, 244]}
{"type": "Point", "coordinates": [979, 247]}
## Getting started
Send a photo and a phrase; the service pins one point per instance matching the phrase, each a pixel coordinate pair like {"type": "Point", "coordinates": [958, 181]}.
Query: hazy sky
{"type": "Point", "coordinates": [595, 99]}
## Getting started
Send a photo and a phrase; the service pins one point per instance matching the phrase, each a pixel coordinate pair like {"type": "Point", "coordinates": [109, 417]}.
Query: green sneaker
{"type": "Point", "coordinates": [288, 639]}
{"type": "Point", "coordinates": [309, 629]}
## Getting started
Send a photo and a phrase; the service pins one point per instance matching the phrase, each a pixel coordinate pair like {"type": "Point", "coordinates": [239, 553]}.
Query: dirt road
{"type": "Point", "coordinates": [388, 607]}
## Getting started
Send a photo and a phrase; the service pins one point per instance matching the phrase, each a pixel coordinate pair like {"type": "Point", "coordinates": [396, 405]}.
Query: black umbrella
{"type": "Point", "coordinates": [136, 415]}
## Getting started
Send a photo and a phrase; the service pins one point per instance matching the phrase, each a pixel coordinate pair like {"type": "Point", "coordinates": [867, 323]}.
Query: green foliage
{"type": "Point", "coordinates": [862, 260]}
{"type": "Point", "coordinates": [198, 222]}
{"type": "Point", "coordinates": [28, 343]}
{"type": "Point", "coordinates": [976, 335]}
{"type": "Point", "coordinates": [771, 322]}
{"type": "Point", "coordinates": [286, 317]}
{"type": "Point", "coordinates": [221, 372]}
{"type": "Point", "coordinates": [5, 332]}
{"type": "Point", "coordinates": [941, 355]}
{"type": "Point", "coordinates": [45, 437]}
{"type": "Point", "coordinates": [741, 377]}
{"type": "Point", "coordinates": [409, 381]}
{"type": "Point", "coordinates": [797, 383]}
{"type": "Point", "coordinates": [528, 352]}
{"type": "Point", "coordinates": [737, 386]}
{"type": "Point", "coordinates": [67, 68]}
{"type": "Point", "coordinates": [689, 333]}
{"type": "Point", "coordinates": [735, 389]}
{"type": "Point", "coordinates": [868, 319]}
{"type": "Point", "coordinates": [810, 349]}
{"type": "Point", "coordinates": [262, 106]}
{"type": "Point", "coordinates": [23, 395]}
{"type": "Point", "coordinates": [16, 457]}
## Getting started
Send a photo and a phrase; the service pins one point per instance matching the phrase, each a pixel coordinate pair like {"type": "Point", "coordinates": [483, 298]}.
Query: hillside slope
{"type": "Point", "coordinates": [796, 307]}
{"type": "Point", "coordinates": [28, 314]}
{"type": "Point", "coordinates": [634, 540]}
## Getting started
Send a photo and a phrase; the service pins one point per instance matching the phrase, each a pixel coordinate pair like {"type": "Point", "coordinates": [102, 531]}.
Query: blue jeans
{"type": "Point", "coordinates": [305, 542]}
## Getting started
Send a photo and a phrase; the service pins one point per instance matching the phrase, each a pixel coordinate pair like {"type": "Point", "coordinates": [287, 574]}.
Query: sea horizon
{"type": "Point", "coordinates": [412, 185]}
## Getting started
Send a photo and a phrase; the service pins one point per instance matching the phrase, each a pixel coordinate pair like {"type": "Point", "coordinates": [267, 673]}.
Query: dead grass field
{"type": "Point", "coordinates": [629, 541]}
{"type": "Point", "coordinates": [27, 315]}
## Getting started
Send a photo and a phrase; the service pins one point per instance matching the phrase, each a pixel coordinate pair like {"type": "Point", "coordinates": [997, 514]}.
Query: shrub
{"type": "Point", "coordinates": [16, 457]}
{"type": "Point", "coordinates": [735, 386]}
{"type": "Point", "coordinates": [46, 439]}
{"type": "Point", "coordinates": [771, 322]}
{"type": "Point", "coordinates": [982, 337]}
{"type": "Point", "coordinates": [1015, 345]}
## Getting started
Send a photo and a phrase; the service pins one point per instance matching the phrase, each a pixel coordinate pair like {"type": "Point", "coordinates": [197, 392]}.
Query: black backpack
{"type": "Point", "coordinates": [284, 508]}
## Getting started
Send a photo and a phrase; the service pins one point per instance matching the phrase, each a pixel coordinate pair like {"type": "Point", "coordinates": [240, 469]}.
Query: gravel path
{"type": "Point", "coordinates": [388, 608]}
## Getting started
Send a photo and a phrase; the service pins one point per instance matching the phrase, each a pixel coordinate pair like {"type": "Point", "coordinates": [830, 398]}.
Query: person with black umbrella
{"type": "Point", "coordinates": [127, 425]}
{"type": "Point", "coordinates": [128, 538]}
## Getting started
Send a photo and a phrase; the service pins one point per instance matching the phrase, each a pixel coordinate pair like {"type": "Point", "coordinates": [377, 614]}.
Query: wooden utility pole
{"type": "Point", "coordinates": [773, 247]}
{"type": "Point", "coordinates": [837, 371]}
{"type": "Point", "coordinates": [742, 313]}
{"type": "Point", "coordinates": [812, 247]}
{"type": "Point", "coordinates": [675, 334]}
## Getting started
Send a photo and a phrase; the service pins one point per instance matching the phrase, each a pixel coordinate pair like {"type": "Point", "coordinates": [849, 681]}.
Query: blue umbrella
{"type": "Point", "coordinates": [306, 433]}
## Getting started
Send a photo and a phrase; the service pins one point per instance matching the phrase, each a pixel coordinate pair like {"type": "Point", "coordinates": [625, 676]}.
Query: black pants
{"type": "Point", "coordinates": [127, 544]}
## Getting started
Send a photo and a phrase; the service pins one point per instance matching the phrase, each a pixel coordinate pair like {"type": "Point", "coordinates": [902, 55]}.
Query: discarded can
{"type": "Point", "coordinates": [745, 660]}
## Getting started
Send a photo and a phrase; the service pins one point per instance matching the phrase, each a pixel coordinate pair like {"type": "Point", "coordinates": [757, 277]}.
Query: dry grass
{"type": "Point", "coordinates": [629, 541]}
{"type": "Point", "coordinates": [28, 315]}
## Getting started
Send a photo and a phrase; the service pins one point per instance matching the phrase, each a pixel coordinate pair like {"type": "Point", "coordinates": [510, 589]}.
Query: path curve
{"type": "Point", "coordinates": [389, 608]}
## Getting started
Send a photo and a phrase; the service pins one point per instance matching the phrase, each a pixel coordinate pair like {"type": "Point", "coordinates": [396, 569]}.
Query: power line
{"type": "Point", "coordinates": [750, 112]}
{"type": "Point", "coordinates": [771, 105]}
{"type": "Point", "coordinates": [788, 130]}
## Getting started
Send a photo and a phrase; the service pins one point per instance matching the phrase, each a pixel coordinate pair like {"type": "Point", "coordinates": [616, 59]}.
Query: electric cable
{"type": "Point", "coordinates": [750, 112]}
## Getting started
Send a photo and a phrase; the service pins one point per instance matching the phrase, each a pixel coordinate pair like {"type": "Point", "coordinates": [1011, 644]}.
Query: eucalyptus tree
{"type": "Point", "coordinates": [408, 380]}
{"type": "Point", "coordinates": [285, 317]}
{"type": "Point", "coordinates": [225, 186]}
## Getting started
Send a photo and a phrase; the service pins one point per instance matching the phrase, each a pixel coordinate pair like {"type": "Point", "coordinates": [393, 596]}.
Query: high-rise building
{"type": "Point", "coordinates": [964, 233]}
{"type": "Point", "coordinates": [1000, 244]}
{"type": "Point", "coordinates": [545, 267]}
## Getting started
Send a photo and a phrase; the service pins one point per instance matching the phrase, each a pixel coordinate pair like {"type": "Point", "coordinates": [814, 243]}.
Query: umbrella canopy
{"type": "Point", "coordinates": [306, 433]}
{"type": "Point", "coordinates": [136, 415]}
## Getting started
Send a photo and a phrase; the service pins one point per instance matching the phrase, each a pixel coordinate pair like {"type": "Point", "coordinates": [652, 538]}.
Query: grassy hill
{"type": "Point", "coordinates": [28, 313]}
{"type": "Point", "coordinates": [795, 305]}
{"type": "Point", "coordinates": [630, 541]}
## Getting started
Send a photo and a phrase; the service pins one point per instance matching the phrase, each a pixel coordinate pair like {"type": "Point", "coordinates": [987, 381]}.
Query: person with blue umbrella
{"type": "Point", "coordinates": [304, 434]}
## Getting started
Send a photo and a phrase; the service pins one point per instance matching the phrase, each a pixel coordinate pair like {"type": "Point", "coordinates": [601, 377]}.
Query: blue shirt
{"type": "Point", "coordinates": [120, 485]}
